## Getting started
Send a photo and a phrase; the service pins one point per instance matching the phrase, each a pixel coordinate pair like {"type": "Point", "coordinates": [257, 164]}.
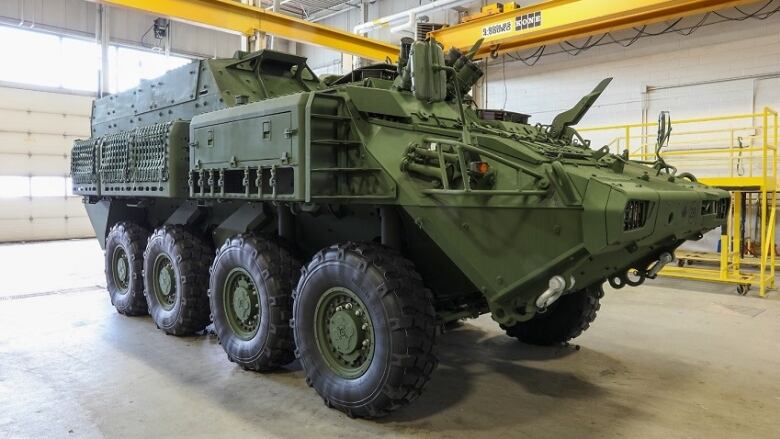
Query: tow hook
{"type": "Point", "coordinates": [620, 281]}
{"type": "Point", "coordinates": [556, 287]}
{"type": "Point", "coordinates": [664, 259]}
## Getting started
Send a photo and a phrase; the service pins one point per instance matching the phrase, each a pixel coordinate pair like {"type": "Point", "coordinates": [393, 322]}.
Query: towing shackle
{"type": "Point", "coordinates": [635, 276]}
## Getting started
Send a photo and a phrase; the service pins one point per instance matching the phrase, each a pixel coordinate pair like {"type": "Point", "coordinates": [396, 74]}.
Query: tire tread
{"type": "Point", "coordinates": [193, 257]}
{"type": "Point", "coordinates": [135, 238]}
{"type": "Point", "coordinates": [285, 268]}
{"type": "Point", "coordinates": [562, 324]}
{"type": "Point", "coordinates": [403, 289]}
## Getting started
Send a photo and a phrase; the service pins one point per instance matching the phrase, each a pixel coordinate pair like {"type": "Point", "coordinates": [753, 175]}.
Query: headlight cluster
{"type": "Point", "coordinates": [635, 215]}
{"type": "Point", "coordinates": [719, 208]}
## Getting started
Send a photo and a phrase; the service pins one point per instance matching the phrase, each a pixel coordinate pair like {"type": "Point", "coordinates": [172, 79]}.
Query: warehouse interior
{"type": "Point", "coordinates": [688, 353]}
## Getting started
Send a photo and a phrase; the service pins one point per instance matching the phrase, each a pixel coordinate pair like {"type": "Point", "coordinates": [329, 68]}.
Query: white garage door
{"type": "Point", "coordinates": [37, 130]}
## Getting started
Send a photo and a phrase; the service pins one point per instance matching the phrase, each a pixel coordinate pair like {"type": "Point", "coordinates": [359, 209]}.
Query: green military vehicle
{"type": "Point", "coordinates": [343, 221]}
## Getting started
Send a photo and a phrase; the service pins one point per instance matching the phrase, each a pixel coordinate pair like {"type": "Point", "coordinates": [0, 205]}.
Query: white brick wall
{"type": "Point", "coordinates": [722, 52]}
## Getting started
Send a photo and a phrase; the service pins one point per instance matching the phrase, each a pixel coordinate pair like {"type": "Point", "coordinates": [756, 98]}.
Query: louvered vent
{"type": "Point", "coordinates": [424, 28]}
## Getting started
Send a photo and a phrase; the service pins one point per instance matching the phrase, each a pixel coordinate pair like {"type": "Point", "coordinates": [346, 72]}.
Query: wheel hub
{"type": "Point", "coordinates": [241, 302]}
{"type": "Point", "coordinates": [121, 269]}
{"type": "Point", "coordinates": [344, 332]}
{"type": "Point", "coordinates": [165, 280]}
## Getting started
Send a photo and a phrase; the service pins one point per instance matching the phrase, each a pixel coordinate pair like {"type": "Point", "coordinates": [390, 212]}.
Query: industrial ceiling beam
{"type": "Point", "coordinates": [243, 19]}
{"type": "Point", "coordinates": [559, 20]}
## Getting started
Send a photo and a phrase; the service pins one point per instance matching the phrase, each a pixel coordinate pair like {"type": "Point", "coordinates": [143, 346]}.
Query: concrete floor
{"type": "Point", "coordinates": [664, 360]}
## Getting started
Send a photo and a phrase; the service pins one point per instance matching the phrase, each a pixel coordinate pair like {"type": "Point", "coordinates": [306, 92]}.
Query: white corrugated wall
{"type": "Point", "coordinates": [720, 69]}
{"type": "Point", "coordinates": [37, 130]}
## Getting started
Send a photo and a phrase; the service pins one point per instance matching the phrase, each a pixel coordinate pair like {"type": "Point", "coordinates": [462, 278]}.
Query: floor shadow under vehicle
{"type": "Point", "coordinates": [469, 356]}
{"type": "Point", "coordinates": [484, 380]}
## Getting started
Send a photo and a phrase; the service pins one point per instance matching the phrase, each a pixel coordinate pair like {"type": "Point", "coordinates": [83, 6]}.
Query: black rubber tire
{"type": "Point", "coordinates": [404, 321]}
{"type": "Point", "coordinates": [566, 319]}
{"type": "Point", "coordinates": [131, 238]}
{"type": "Point", "coordinates": [190, 258]}
{"type": "Point", "coordinates": [274, 272]}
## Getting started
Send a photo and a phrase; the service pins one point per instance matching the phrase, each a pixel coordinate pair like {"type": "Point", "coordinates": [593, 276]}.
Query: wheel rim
{"type": "Point", "coordinates": [241, 302]}
{"type": "Point", "coordinates": [120, 269]}
{"type": "Point", "coordinates": [164, 279]}
{"type": "Point", "coordinates": [344, 332]}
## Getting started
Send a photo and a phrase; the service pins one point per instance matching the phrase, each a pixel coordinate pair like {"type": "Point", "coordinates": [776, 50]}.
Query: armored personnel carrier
{"type": "Point", "coordinates": [343, 221]}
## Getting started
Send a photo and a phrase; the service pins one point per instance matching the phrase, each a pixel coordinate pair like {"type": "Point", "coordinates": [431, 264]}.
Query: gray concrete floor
{"type": "Point", "coordinates": [664, 360]}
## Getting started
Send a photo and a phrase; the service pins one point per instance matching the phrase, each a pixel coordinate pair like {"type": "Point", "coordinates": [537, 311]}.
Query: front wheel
{"type": "Point", "coordinates": [564, 320]}
{"type": "Point", "coordinates": [364, 327]}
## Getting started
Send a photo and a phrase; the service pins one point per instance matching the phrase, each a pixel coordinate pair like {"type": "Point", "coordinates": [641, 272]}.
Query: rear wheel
{"type": "Point", "coordinates": [176, 275]}
{"type": "Point", "coordinates": [364, 327]}
{"type": "Point", "coordinates": [565, 319]}
{"type": "Point", "coordinates": [250, 294]}
{"type": "Point", "coordinates": [124, 268]}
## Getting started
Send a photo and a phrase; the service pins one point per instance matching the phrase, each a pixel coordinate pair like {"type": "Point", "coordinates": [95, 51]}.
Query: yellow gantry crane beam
{"type": "Point", "coordinates": [559, 20]}
{"type": "Point", "coordinates": [543, 23]}
{"type": "Point", "coordinates": [244, 19]}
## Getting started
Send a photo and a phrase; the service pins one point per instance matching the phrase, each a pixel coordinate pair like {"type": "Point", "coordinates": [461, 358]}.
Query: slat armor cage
{"type": "Point", "coordinates": [150, 161]}
{"type": "Point", "coordinates": [84, 167]}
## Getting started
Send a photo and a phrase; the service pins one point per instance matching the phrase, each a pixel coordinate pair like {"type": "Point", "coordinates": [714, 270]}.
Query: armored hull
{"type": "Point", "coordinates": [347, 212]}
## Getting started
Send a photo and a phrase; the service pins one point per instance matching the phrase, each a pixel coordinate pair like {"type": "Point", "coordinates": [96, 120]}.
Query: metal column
{"type": "Point", "coordinates": [102, 33]}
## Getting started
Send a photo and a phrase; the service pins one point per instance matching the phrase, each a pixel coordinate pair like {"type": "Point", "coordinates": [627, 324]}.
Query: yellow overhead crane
{"type": "Point", "coordinates": [514, 28]}
{"type": "Point", "coordinates": [559, 20]}
{"type": "Point", "coordinates": [243, 19]}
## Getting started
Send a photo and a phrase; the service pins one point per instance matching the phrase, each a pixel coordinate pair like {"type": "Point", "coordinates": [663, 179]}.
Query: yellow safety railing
{"type": "Point", "coordinates": [734, 146]}
{"type": "Point", "coordinates": [735, 152]}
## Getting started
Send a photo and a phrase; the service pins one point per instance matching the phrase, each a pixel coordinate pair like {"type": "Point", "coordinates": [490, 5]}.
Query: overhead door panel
{"type": "Point", "coordinates": [28, 143]}
{"type": "Point", "coordinates": [35, 122]}
{"type": "Point", "coordinates": [37, 130]}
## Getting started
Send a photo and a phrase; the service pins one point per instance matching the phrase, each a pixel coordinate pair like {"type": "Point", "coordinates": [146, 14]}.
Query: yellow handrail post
{"type": "Point", "coordinates": [774, 201]}
{"type": "Point", "coordinates": [628, 140]}
{"type": "Point", "coordinates": [772, 241]}
{"type": "Point", "coordinates": [751, 161]}
{"type": "Point", "coordinates": [731, 153]}
{"type": "Point", "coordinates": [767, 250]}
{"type": "Point", "coordinates": [736, 237]}
{"type": "Point", "coordinates": [774, 195]}
{"type": "Point", "coordinates": [765, 146]}
{"type": "Point", "coordinates": [775, 124]}
{"type": "Point", "coordinates": [724, 256]}
{"type": "Point", "coordinates": [765, 241]}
